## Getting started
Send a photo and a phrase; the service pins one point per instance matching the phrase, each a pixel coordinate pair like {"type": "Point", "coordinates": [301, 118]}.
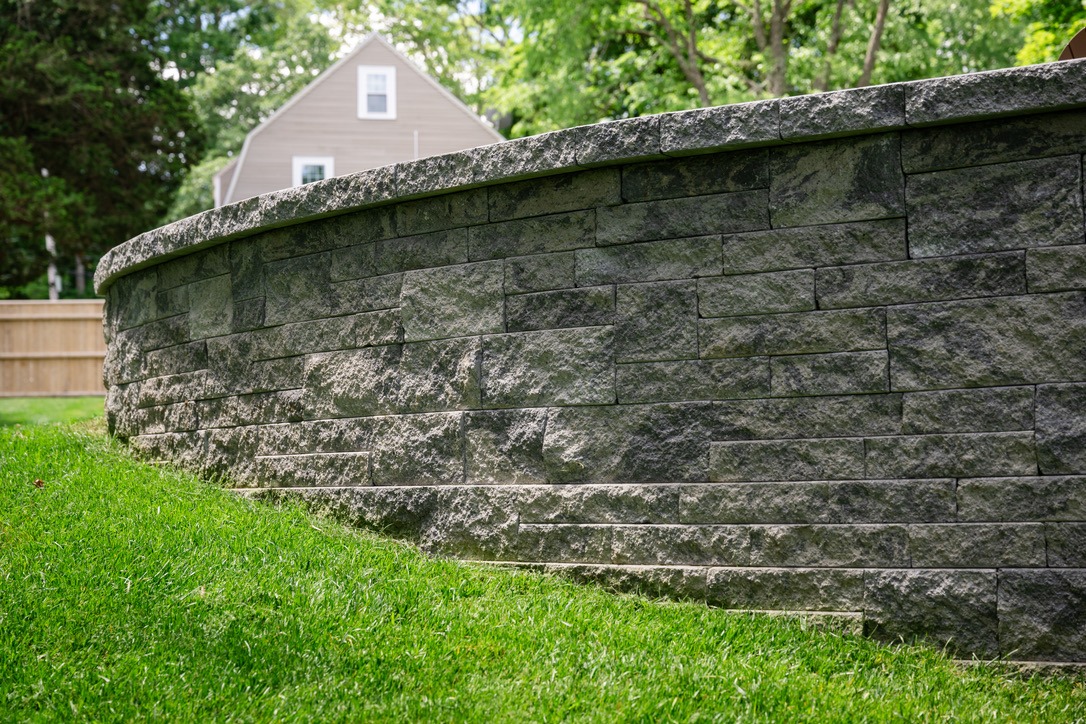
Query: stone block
{"type": "Point", "coordinates": [843, 113]}
{"type": "Point", "coordinates": [247, 268]}
{"type": "Point", "coordinates": [829, 546]}
{"type": "Point", "coordinates": [527, 157]}
{"type": "Point", "coordinates": [367, 295]}
{"type": "Point", "coordinates": [993, 141]}
{"type": "Point", "coordinates": [673, 582]}
{"type": "Point", "coordinates": [505, 447]}
{"type": "Point", "coordinates": [258, 376]}
{"type": "Point", "coordinates": [841, 373]}
{"type": "Point", "coordinates": [815, 246]}
{"type": "Point", "coordinates": [553, 194]}
{"type": "Point", "coordinates": [745, 503]}
{"type": "Point", "coordinates": [139, 292]}
{"type": "Point", "coordinates": [420, 377]}
{"type": "Point", "coordinates": [1056, 268]}
{"type": "Point", "coordinates": [682, 217]}
{"type": "Point", "coordinates": [733, 126]}
{"type": "Point", "coordinates": [172, 301]}
{"type": "Point", "coordinates": [671, 545]}
{"type": "Point", "coordinates": [550, 367]}
{"type": "Point", "coordinates": [656, 321]}
{"type": "Point", "coordinates": [217, 412]}
{"type": "Point", "coordinates": [716, 173]}
{"type": "Point", "coordinates": [781, 460]}
{"type": "Point", "coordinates": [677, 381]}
{"type": "Point", "coordinates": [229, 453]}
{"type": "Point", "coordinates": [649, 262]}
{"type": "Point", "coordinates": [786, 589]}
{"type": "Point", "coordinates": [988, 342]}
{"type": "Point", "coordinates": [453, 301]}
{"type": "Point", "coordinates": [540, 273]}
{"type": "Point", "coordinates": [316, 436]}
{"type": "Point", "coordinates": [122, 410]}
{"type": "Point", "coordinates": [437, 173]}
{"type": "Point", "coordinates": [936, 456]}
{"type": "Point", "coordinates": [995, 207]}
{"type": "Point", "coordinates": [564, 543]}
{"type": "Point", "coordinates": [421, 251]}
{"type": "Point", "coordinates": [313, 470]}
{"type": "Point", "coordinates": [297, 289]}
{"type": "Point", "coordinates": [174, 360]}
{"type": "Point", "coordinates": [808, 417]}
{"type": "Point", "coordinates": [891, 501]}
{"type": "Point", "coordinates": [984, 545]}
{"type": "Point", "coordinates": [160, 333]}
{"type": "Point", "coordinates": [991, 409]}
{"type": "Point", "coordinates": [181, 417]}
{"type": "Point", "coordinates": [360, 261]}
{"type": "Point", "coordinates": [730, 296]}
{"type": "Point", "coordinates": [620, 140]}
{"type": "Point", "coordinates": [799, 333]}
{"type": "Point", "coordinates": [1042, 614]}
{"type": "Point", "coordinates": [418, 450]}
{"type": "Point", "coordinates": [584, 307]}
{"type": "Point", "coordinates": [169, 389]}
{"type": "Point", "coordinates": [447, 211]}
{"type": "Point", "coordinates": [829, 182]}
{"type": "Point", "coordinates": [1061, 428]}
{"type": "Point", "coordinates": [534, 235]}
{"type": "Point", "coordinates": [248, 314]}
{"type": "Point", "coordinates": [622, 504]}
{"type": "Point", "coordinates": [627, 444]}
{"type": "Point", "coordinates": [955, 609]}
{"type": "Point", "coordinates": [211, 312]}
{"type": "Point", "coordinates": [1066, 545]}
{"type": "Point", "coordinates": [921, 280]}
{"type": "Point", "coordinates": [269, 407]}
{"type": "Point", "coordinates": [1056, 498]}
{"type": "Point", "coordinates": [194, 267]}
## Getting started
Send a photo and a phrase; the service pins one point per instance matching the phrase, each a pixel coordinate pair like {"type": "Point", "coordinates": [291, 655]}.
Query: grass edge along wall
{"type": "Point", "coordinates": [825, 353]}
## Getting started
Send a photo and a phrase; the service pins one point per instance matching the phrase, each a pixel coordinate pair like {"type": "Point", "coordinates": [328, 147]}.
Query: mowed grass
{"type": "Point", "coordinates": [131, 591]}
{"type": "Point", "coordinates": [39, 410]}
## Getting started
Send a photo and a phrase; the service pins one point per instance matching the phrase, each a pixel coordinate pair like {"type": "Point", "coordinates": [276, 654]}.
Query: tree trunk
{"type": "Point", "coordinates": [80, 274]}
{"type": "Point", "coordinates": [823, 83]}
{"type": "Point", "coordinates": [873, 45]}
{"type": "Point", "coordinates": [778, 72]}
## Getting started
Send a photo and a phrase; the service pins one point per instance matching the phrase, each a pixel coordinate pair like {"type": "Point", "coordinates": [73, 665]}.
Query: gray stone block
{"type": "Point", "coordinates": [358, 261]}
{"type": "Point", "coordinates": [730, 296]}
{"type": "Point", "coordinates": [297, 289]}
{"type": "Point", "coordinates": [553, 194]}
{"type": "Point", "coordinates": [621, 140]}
{"type": "Point", "coordinates": [267, 407]}
{"type": "Point", "coordinates": [217, 412]}
{"type": "Point", "coordinates": [922, 280]}
{"type": "Point", "coordinates": [955, 609]}
{"type": "Point", "coordinates": [139, 293]}
{"type": "Point", "coordinates": [247, 268]}
{"type": "Point", "coordinates": [1061, 428]}
{"type": "Point", "coordinates": [1066, 545]}
{"type": "Point", "coordinates": [677, 381]}
{"type": "Point", "coordinates": [977, 546]}
{"type": "Point", "coordinates": [829, 546]}
{"type": "Point", "coordinates": [656, 321]}
{"type": "Point", "coordinates": [584, 307]}
{"type": "Point", "coordinates": [313, 470]}
{"type": "Point", "coordinates": [1000, 206]}
{"type": "Point", "coordinates": [259, 376]}
{"type": "Point", "coordinates": [564, 543]}
{"type": "Point", "coordinates": [1048, 87]}
{"type": "Point", "coordinates": [528, 157]}
{"type": "Point", "coordinates": [1042, 614]}
{"type": "Point", "coordinates": [196, 267]}
{"type": "Point", "coordinates": [627, 444]}
{"type": "Point", "coordinates": [160, 333]}
{"type": "Point", "coordinates": [540, 273]}
{"type": "Point", "coordinates": [780, 460]}
{"type": "Point", "coordinates": [505, 447]}
{"type": "Point", "coordinates": [421, 251]}
{"type": "Point", "coordinates": [316, 436]}
{"type": "Point", "coordinates": [716, 173]}
{"type": "Point", "coordinates": [843, 113]}
{"type": "Point", "coordinates": [673, 582]}
{"type": "Point", "coordinates": [1056, 268]}
{"type": "Point", "coordinates": [993, 409]}
{"type": "Point", "coordinates": [892, 501]}
{"type": "Point", "coordinates": [622, 504]}
{"type": "Point", "coordinates": [418, 450]}
{"type": "Point", "coordinates": [248, 314]}
{"type": "Point", "coordinates": [653, 261]}
{"type": "Point", "coordinates": [682, 217]}
{"type": "Point", "coordinates": [1053, 498]}
{"type": "Point", "coordinates": [447, 211]}
{"type": "Point", "coordinates": [988, 342]}
{"type": "Point", "coordinates": [211, 313]}
{"type": "Point", "coordinates": [808, 417]}
{"type": "Point", "coordinates": [453, 301]}
{"type": "Point", "coordinates": [815, 246]}
{"type": "Point", "coordinates": [181, 417]}
{"type": "Point", "coordinates": [936, 456]}
{"type": "Point", "coordinates": [671, 545]}
{"type": "Point", "coordinates": [551, 367]}
{"type": "Point", "coordinates": [437, 173]}
{"type": "Point", "coordinates": [996, 141]}
{"type": "Point", "coordinates": [799, 333]}
{"type": "Point", "coordinates": [420, 377]}
{"type": "Point", "coordinates": [171, 302]}
{"type": "Point", "coordinates": [841, 373]}
{"type": "Point", "coordinates": [734, 126]}
{"type": "Point", "coordinates": [786, 589]}
{"type": "Point", "coordinates": [173, 360]}
{"type": "Point", "coordinates": [828, 182]}
{"type": "Point", "coordinates": [535, 235]}
{"type": "Point", "coordinates": [371, 294]}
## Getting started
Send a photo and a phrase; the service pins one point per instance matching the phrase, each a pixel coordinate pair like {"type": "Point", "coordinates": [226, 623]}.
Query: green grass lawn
{"type": "Point", "coordinates": [39, 410]}
{"type": "Point", "coordinates": [136, 591]}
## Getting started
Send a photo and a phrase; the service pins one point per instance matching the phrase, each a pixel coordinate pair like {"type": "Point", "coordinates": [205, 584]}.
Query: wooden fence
{"type": "Point", "coordinates": [51, 348]}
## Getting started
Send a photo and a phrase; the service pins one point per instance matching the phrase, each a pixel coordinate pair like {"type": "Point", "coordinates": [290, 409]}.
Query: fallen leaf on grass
{"type": "Point", "coordinates": [39, 483]}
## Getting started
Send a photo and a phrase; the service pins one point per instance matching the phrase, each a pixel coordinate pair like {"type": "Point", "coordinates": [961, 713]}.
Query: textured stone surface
{"type": "Point", "coordinates": [730, 296]}
{"type": "Point", "coordinates": [332, 469]}
{"type": "Point", "coordinates": [442, 212]}
{"type": "Point", "coordinates": [810, 246]}
{"type": "Point", "coordinates": [1055, 269]}
{"type": "Point", "coordinates": [677, 218]}
{"type": "Point", "coordinates": [798, 589]}
{"type": "Point", "coordinates": [656, 322]}
{"type": "Point", "coordinates": [681, 545]}
{"type": "Point", "coordinates": [1005, 341]}
{"type": "Point", "coordinates": [810, 417]}
{"type": "Point", "coordinates": [993, 409]}
{"type": "Point", "coordinates": [830, 374]}
{"type": "Point", "coordinates": [1002, 206]}
{"type": "Point", "coordinates": [420, 251]}
{"type": "Point", "coordinates": [675, 381]}
{"type": "Point", "coordinates": [505, 447]}
{"type": "Point", "coordinates": [652, 581]}
{"type": "Point", "coordinates": [585, 307]}
{"type": "Point", "coordinates": [1054, 498]}
{"type": "Point", "coordinates": [977, 546]}
{"type": "Point", "coordinates": [621, 140]}
{"type": "Point", "coordinates": [934, 456]}
{"type": "Point", "coordinates": [568, 192]}
{"type": "Point", "coordinates": [1066, 545]}
{"type": "Point", "coordinates": [654, 261]}
{"type": "Point", "coordinates": [735, 126]}
{"type": "Point", "coordinates": [418, 450]}
{"type": "Point", "coordinates": [834, 181]}
{"type": "Point", "coordinates": [829, 546]}
{"type": "Point", "coordinates": [1061, 428]}
{"type": "Point", "coordinates": [297, 289]}
{"type": "Point", "coordinates": [453, 301]}
{"type": "Point", "coordinates": [696, 176]}
{"type": "Point", "coordinates": [564, 543]}
{"type": "Point", "coordinates": [535, 235]}
{"type": "Point", "coordinates": [551, 367]}
{"type": "Point", "coordinates": [826, 459]}
{"type": "Point", "coordinates": [801, 333]}
{"type": "Point", "coordinates": [1042, 614]}
{"type": "Point", "coordinates": [847, 112]}
{"type": "Point", "coordinates": [599, 504]}
{"type": "Point", "coordinates": [539, 273]}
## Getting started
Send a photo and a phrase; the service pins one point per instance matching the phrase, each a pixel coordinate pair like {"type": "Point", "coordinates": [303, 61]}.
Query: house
{"type": "Point", "coordinates": [372, 108]}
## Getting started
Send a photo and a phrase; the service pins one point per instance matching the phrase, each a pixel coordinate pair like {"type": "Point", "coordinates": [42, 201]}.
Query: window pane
{"type": "Point", "coordinates": [376, 103]}
{"type": "Point", "coordinates": [312, 172]}
{"type": "Point", "coordinates": [376, 83]}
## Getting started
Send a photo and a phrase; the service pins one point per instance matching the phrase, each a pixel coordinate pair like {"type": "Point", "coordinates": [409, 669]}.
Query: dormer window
{"type": "Point", "coordinates": [377, 91]}
{"type": "Point", "coordinates": [307, 169]}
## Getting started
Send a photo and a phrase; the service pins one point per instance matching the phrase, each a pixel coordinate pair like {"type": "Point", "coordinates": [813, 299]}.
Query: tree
{"type": "Point", "coordinates": [1052, 24]}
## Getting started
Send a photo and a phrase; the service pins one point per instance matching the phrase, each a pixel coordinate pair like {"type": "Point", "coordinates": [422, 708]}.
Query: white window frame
{"type": "Point", "coordinates": [389, 72]}
{"type": "Point", "coordinates": [299, 162]}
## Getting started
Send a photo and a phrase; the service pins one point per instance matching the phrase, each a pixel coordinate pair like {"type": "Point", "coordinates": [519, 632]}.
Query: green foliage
{"type": "Point", "coordinates": [1052, 24]}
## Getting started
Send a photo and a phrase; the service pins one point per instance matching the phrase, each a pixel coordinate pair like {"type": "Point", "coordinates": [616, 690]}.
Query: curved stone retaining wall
{"type": "Point", "coordinates": [826, 354]}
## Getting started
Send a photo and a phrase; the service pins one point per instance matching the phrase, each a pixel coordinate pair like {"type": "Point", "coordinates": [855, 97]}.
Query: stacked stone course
{"type": "Point", "coordinates": [826, 353]}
